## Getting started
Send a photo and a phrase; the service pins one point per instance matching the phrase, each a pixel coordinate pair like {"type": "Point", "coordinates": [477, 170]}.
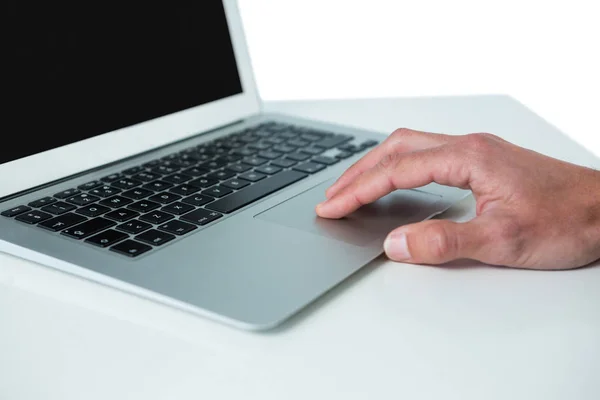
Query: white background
{"type": "Point", "coordinates": [543, 53]}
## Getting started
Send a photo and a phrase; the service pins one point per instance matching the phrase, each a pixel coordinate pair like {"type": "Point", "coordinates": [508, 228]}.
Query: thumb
{"type": "Point", "coordinates": [434, 242]}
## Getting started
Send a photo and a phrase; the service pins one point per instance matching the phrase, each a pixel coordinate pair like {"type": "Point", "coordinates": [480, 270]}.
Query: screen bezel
{"type": "Point", "coordinates": [60, 162]}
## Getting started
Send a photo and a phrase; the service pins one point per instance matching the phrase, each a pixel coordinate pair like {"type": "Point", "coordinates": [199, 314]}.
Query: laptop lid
{"type": "Point", "coordinates": [86, 85]}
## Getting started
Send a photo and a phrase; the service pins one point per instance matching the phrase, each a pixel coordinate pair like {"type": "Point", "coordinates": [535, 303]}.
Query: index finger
{"type": "Point", "coordinates": [442, 164]}
{"type": "Point", "coordinates": [401, 140]}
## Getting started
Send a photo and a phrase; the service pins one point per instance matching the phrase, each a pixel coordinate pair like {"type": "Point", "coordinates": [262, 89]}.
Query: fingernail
{"type": "Point", "coordinates": [320, 205]}
{"type": "Point", "coordinates": [396, 246]}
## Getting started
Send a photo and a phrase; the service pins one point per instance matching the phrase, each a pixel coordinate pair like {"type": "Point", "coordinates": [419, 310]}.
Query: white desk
{"type": "Point", "coordinates": [394, 331]}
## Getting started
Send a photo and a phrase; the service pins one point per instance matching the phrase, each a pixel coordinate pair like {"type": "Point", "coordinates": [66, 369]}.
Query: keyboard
{"type": "Point", "coordinates": [141, 208]}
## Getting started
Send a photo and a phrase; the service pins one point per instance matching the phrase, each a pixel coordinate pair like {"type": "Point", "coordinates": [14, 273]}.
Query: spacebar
{"type": "Point", "coordinates": [254, 192]}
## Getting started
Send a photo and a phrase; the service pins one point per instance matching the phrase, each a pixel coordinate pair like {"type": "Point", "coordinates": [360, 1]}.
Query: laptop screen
{"type": "Point", "coordinates": [76, 70]}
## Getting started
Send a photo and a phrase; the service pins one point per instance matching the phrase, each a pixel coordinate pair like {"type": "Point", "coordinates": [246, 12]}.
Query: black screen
{"type": "Point", "coordinates": [75, 71]}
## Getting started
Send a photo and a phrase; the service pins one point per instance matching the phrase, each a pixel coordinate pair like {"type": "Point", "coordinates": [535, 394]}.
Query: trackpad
{"type": "Point", "coordinates": [369, 223]}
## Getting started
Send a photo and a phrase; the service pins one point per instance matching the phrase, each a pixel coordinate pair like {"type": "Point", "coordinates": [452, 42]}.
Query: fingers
{"type": "Point", "coordinates": [437, 242]}
{"type": "Point", "coordinates": [401, 140]}
{"type": "Point", "coordinates": [444, 165]}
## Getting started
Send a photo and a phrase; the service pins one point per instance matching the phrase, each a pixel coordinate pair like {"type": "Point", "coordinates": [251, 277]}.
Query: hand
{"type": "Point", "coordinates": [533, 211]}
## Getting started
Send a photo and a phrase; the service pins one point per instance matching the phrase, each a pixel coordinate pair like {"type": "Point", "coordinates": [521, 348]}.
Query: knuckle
{"type": "Point", "coordinates": [389, 161]}
{"type": "Point", "coordinates": [476, 147]}
{"type": "Point", "coordinates": [488, 136]}
{"type": "Point", "coordinates": [479, 142]}
{"type": "Point", "coordinates": [402, 133]}
{"type": "Point", "coordinates": [440, 244]}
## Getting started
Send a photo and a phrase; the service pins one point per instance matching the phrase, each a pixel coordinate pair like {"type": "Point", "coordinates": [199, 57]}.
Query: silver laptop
{"type": "Point", "coordinates": [135, 154]}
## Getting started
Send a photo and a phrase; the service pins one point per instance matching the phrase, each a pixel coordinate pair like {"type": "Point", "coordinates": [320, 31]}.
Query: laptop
{"type": "Point", "coordinates": [135, 154]}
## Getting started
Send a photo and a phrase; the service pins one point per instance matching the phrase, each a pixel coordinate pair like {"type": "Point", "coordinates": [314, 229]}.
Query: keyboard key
{"type": "Point", "coordinates": [133, 170]}
{"type": "Point", "coordinates": [15, 211]}
{"type": "Point", "coordinates": [310, 137]}
{"type": "Point", "coordinates": [252, 176]}
{"type": "Point", "coordinates": [283, 163]}
{"type": "Point", "coordinates": [244, 152]}
{"type": "Point", "coordinates": [92, 210]}
{"type": "Point", "coordinates": [137, 194]}
{"type": "Point", "coordinates": [343, 154]}
{"type": "Point", "coordinates": [313, 151]}
{"type": "Point", "coordinates": [198, 200]}
{"type": "Point", "coordinates": [112, 177]}
{"type": "Point", "coordinates": [126, 183]}
{"type": "Point", "coordinates": [235, 183]}
{"type": "Point", "coordinates": [156, 217]}
{"type": "Point", "coordinates": [195, 171]}
{"type": "Point", "coordinates": [282, 148]}
{"type": "Point", "coordinates": [177, 208]}
{"type": "Point", "coordinates": [151, 164]}
{"type": "Point", "coordinates": [288, 135]}
{"type": "Point", "coordinates": [33, 217]}
{"type": "Point", "coordinates": [115, 201]}
{"type": "Point", "coordinates": [350, 148]}
{"type": "Point", "coordinates": [239, 168]}
{"type": "Point", "coordinates": [131, 248]}
{"type": "Point", "coordinates": [297, 143]}
{"type": "Point", "coordinates": [268, 169]}
{"type": "Point", "coordinates": [309, 167]}
{"type": "Point", "coordinates": [83, 199]}
{"type": "Point", "coordinates": [269, 155]}
{"type": "Point", "coordinates": [178, 178]}
{"type": "Point", "coordinates": [105, 191]}
{"type": "Point", "coordinates": [255, 192]}
{"type": "Point", "coordinates": [259, 146]}
{"type": "Point", "coordinates": [275, 140]}
{"type": "Point", "coordinates": [88, 228]}
{"type": "Point", "coordinates": [201, 216]}
{"type": "Point", "coordinates": [213, 164]}
{"type": "Point", "coordinates": [146, 176]}
{"type": "Point", "coordinates": [171, 161]}
{"type": "Point", "coordinates": [62, 221]}
{"type": "Point", "coordinates": [297, 156]}
{"type": "Point", "coordinates": [249, 138]}
{"type": "Point", "coordinates": [165, 169]}
{"type": "Point", "coordinates": [230, 158]}
{"type": "Point", "coordinates": [58, 208]}
{"type": "Point", "coordinates": [107, 238]}
{"type": "Point", "coordinates": [325, 160]}
{"type": "Point", "coordinates": [333, 141]}
{"type": "Point", "coordinates": [134, 227]}
{"type": "Point", "coordinates": [184, 190]}
{"type": "Point", "coordinates": [42, 202]}
{"type": "Point", "coordinates": [154, 237]}
{"type": "Point", "coordinates": [90, 185]}
{"type": "Point", "coordinates": [203, 182]}
{"type": "Point", "coordinates": [221, 175]}
{"type": "Point", "coordinates": [254, 161]}
{"type": "Point", "coordinates": [177, 227]}
{"type": "Point", "coordinates": [66, 193]}
{"type": "Point", "coordinates": [217, 191]}
{"type": "Point", "coordinates": [263, 133]}
{"type": "Point", "coordinates": [144, 206]}
{"type": "Point", "coordinates": [164, 197]}
{"type": "Point", "coordinates": [368, 143]}
{"type": "Point", "coordinates": [157, 186]}
{"type": "Point", "coordinates": [122, 215]}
